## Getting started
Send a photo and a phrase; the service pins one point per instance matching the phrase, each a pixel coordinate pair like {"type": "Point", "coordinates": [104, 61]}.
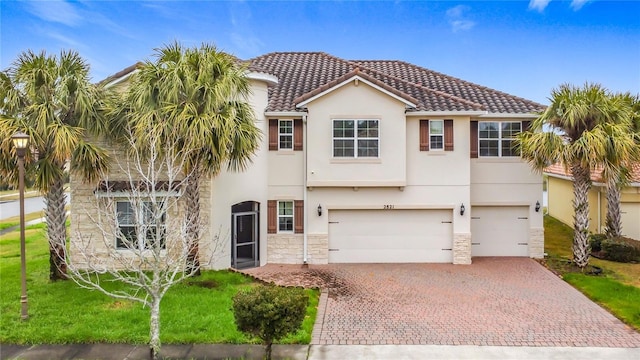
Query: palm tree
{"type": "Point", "coordinates": [621, 157]}
{"type": "Point", "coordinates": [195, 98]}
{"type": "Point", "coordinates": [51, 98]}
{"type": "Point", "coordinates": [585, 123]}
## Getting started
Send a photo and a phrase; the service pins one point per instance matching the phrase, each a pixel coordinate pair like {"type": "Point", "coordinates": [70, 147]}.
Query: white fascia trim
{"type": "Point", "coordinates": [120, 79]}
{"type": "Point", "coordinates": [446, 113]}
{"type": "Point", "coordinates": [508, 115]}
{"type": "Point", "coordinates": [268, 78]}
{"type": "Point", "coordinates": [285, 113]}
{"type": "Point", "coordinates": [358, 78]}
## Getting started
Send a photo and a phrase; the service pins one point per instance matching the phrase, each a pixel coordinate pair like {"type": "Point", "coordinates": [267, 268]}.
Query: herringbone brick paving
{"type": "Point", "coordinates": [494, 301]}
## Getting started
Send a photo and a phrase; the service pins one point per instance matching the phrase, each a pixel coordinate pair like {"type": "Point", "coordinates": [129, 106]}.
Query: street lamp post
{"type": "Point", "coordinates": [20, 142]}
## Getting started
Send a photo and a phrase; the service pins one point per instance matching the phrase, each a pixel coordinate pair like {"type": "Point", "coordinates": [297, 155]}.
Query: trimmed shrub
{"type": "Point", "coordinates": [270, 312]}
{"type": "Point", "coordinates": [595, 240]}
{"type": "Point", "coordinates": [621, 250]}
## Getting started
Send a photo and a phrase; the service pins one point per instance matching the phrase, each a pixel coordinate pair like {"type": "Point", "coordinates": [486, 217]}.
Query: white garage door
{"type": "Point", "coordinates": [390, 236]}
{"type": "Point", "coordinates": [499, 231]}
{"type": "Point", "coordinates": [630, 220]}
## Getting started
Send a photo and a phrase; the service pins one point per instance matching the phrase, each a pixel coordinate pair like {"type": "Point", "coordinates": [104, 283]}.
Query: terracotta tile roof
{"type": "Point", "coordinates": [301, 75]}
{"type": "Point", "coordinates": [596, 175]}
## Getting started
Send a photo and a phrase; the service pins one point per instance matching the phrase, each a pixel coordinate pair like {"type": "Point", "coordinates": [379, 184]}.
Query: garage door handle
{"type": "Point", "coordinates": [475, 217]}
{"type": "Point", "coordinates": [522, 218]}
{"type": "Point", "coordinates": [523, 243]}
{"type": "Point", "coordinates": [334, 249]}
{"type": "Point", "coordinates": [334, 222]}
{"type": "Point", "coordinates": [475, 243]}
{"type": "Point", "coordinates": [447, 249]}
{"type": "Point", "coordinates": [446, 222]}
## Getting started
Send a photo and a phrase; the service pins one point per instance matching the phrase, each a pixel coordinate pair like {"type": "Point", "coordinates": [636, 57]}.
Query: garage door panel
{"type": "Point", "coordinates": [499, 231]}
{"type": "Point", "coordinates": [390, 236]}
{"type": "Point", "coordinates": [630, 213]}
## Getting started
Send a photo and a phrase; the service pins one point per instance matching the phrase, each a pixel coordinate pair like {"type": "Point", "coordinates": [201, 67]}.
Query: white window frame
{"type": "Point", "coordinates": [160, 228]}
{"type": "Point", "coordinates": [355, 138]}
{"type": "Point", "coordinates": [286, 216]}
{"type": "Point", "coordinates": [282, 134]}
{"type": "Point", "coordinates": [441, 135]}
{"type": "Point", "coordinates": [500, 139]}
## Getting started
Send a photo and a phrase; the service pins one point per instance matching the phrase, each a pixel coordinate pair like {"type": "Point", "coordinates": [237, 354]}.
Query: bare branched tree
{"type": "Point", "coordinates": [139, 232]}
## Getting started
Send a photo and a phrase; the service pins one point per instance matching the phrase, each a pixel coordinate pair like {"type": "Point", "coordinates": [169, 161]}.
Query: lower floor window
{"type": "Point", "coordinates": [285, 216]}
{"type": "Point", "coordinates": [141, 226]}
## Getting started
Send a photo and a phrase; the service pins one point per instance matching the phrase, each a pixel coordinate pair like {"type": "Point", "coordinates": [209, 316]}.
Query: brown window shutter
{"type": "Point", "coordinates": [297, 135]}
{"type": "Point", "coordinates": [448, 135]}
{"type": "Point", "coordinates": [474, 140]}
{"type": "Point", "coordinates": [526, 125]}
{"type": "Point", "coordinates": [298, 213]}
{"type": "Point", "coordinates": [272, 217]}
{"type": "Point", "coordinates": [273, 134]}
{"type": "Point", "coordinates": [424, 135]}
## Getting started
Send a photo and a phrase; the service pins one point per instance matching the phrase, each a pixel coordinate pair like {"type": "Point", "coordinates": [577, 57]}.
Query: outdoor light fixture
{"type": "Point", "coordinates": [537, 206]}
{"type": "Point", "coordinates": [20, 142]}
{"type": "Point", "coordinates": [462, 209]}
{"type": "Point", "coordinates": [319, 210]}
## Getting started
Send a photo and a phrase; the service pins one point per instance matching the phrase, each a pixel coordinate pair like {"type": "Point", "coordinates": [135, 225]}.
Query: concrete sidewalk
{"type": "Point", "coordinates": [312, 352]}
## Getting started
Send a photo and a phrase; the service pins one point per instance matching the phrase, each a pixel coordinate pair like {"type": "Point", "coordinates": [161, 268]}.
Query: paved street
{"type": "Point", "coordinates": [494, 301]}
{"type": "Point", "coordinates": [12, 208]}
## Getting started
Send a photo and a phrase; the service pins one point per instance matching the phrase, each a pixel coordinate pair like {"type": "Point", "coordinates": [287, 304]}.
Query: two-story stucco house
{"type": "Point", "coordinates": [376, 161]}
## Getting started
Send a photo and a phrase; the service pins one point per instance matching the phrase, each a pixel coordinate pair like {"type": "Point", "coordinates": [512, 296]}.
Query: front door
{"type": "Point", "coordinates": [245, 244]}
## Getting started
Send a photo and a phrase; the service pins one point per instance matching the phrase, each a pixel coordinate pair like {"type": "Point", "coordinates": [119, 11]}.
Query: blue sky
{"type": "Point", "coordinates": [525, 48]}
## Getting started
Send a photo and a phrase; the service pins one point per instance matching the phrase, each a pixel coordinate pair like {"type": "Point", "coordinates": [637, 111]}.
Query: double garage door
{"type": "Point", "coordinates": [499, 231]}
{"type": "Point", "coordinates": [390, 236]}
{"type": "Point", "coordinates": [405, 236]}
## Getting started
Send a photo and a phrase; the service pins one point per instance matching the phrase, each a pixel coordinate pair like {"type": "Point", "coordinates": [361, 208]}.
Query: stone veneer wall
{"type": "Point", "coordinates": [288, 248]}
{"type": "Point", "coordinates": [462, 249]}
{"type": "Point", "coordinates": [536, 243]}
{"type": "Point", "coordinates": [84, 211]}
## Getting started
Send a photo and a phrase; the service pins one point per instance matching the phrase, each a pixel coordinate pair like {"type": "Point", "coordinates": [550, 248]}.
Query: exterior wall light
{"type": "Point", "coordinates": [319, 210]}
{"type": "Point", "coordinates": [462, 209]}
{"type": "Point", "coordinates": [537, 206]}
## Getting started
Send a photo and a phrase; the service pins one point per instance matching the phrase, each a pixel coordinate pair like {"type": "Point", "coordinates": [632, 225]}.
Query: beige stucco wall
{"type": "Point", "coordinates": [356, 102]}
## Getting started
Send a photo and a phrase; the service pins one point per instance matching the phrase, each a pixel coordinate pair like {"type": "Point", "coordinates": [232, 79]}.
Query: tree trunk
{"type": "Point", "coordinates": [581, 186]}
{"type": "Point", "coordinates": [56, 217]}
{"type": "Point", "coordinates": [267, 350]}
{"type": "Point", "coordinates": [192, 199]}
{"type": "Point", "coordinates": [154, 329]}
{"type": "Point", "coordinates": [614, 216]}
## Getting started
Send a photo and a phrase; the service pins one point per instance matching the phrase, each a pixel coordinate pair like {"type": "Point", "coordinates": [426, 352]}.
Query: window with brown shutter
{"type": "Point", "coordinates": [297, 135]}
{"type": "Point", "coordinates": [273, 134]}
{"type": "Point", "coordinates": [448, 135]}
{"type": "Point", "coordinates": [272, 226]}
{"type": "Point", "coordinates": [298, 212]}
{"type": "Point", "coordinates": [424, 135]}
{"type": "Point", "coordinates": [473, 142]}
{"type": "Point", "coordinates": [526, 125]}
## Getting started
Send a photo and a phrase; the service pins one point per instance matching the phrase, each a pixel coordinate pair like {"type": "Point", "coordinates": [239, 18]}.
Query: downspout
{"type": "Point", "coordinates": [599, 214]}
{"type": "Point", "coordinates": [304, 194]}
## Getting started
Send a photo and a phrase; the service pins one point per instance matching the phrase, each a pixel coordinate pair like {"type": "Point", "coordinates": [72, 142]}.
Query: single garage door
{"type": "Point", "coordinates": [499, 231]}
{"type": "Point", "coordinates": [390, 236]}
{"type": "Point", "coordinates": [630, 220]}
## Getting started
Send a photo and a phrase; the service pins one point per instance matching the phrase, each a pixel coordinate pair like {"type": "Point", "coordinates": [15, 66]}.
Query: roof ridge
{"type": "Point", "coordinates": [438, 92]}
{"type": "Point", "coordinates": [482, 87]}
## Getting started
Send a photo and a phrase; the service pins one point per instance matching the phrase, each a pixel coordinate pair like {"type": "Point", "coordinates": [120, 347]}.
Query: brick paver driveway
{"type": "Point", "coordinates": [495, 301]}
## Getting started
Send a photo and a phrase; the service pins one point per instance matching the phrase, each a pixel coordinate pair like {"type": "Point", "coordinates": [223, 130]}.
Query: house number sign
{"type": "Point", "coordinates": [388, 207]}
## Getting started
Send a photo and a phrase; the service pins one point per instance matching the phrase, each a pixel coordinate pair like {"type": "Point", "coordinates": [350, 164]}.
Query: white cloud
{"type": "Point", "coordinates": [538, 5]}
{"type": "Point", "coordinates": [58, 11]}
{"type": "Point", "coordinates": [458, 19]}
{"type": "Point", "coordinates": [578, 4]}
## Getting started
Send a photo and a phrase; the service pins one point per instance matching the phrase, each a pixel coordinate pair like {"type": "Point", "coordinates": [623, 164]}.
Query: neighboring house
{"type": "Point", "coordinates": [560, 193]}
{"type": "Point", "coordinates": [373, 161]}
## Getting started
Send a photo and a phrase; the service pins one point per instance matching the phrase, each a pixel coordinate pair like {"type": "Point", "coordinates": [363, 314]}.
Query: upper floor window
{"type": "Point", "coordinates": [141, 226]}
{"type": "Point", "coordinates": [498, 138]}
{"type": "Point", "coordinates": [285, 216]}
{"type": "Point", "coordinates": [355, 138]}
{"type": "Point", "coordinates": [436, 134]}
{"type": "Point", "coordinates": [285, 134]}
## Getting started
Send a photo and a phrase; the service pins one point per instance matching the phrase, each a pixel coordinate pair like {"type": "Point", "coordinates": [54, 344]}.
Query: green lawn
{"type": "Point", "coordinates": [62, 312]}
{"type": "Point", "coordinates": [617, 289]}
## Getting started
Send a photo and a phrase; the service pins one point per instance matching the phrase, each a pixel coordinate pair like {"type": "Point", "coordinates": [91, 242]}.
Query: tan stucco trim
{"type": "Point", "coordinates": [501, 203]}
{"type": "Point", "coordinates": [356, 183]}
{"type": "Point", "coordinates": [386, 207]}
